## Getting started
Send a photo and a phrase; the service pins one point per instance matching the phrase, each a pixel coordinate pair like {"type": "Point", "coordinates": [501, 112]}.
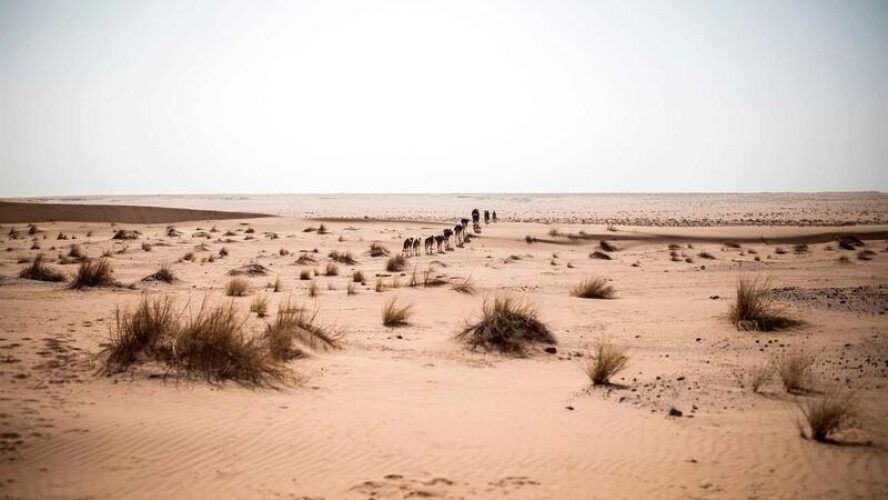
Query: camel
{"type": "Point", "coordinates": [476, 216]}
{"type": "Point", "coordinates": [465, 223]}
{"type": "Point", "coordinates": [476, 227]}
{"type": "Point", "coordinates": [417, 242]}
{"type": "Point", "coordinates": [457, 234]}
{"type": "Point", "coordinates": [494, 216]}
{"type": "Point", "coordinates": [439, 240]}
{"type": "Point", "coordinates": [408, 247]}
{"type": "Point", "coordinates": [429, 244]}
{"type": "Point", "coordinates": [487, 217]}
{"type": "Point", "coordinates": [447, 234]}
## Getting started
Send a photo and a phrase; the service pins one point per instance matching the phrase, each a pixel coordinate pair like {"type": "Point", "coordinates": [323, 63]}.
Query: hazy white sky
{"type": "Point", "coordinates": [192, 96]}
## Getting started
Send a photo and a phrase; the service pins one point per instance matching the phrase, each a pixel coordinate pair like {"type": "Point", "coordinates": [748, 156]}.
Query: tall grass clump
{"type": "Point", "coordinates": [794, 371]}
{"type": "Point", "coordinates": [835, 411]}
{"type": "Point", "coordinates": [164, 274]}
{"type": "Point", "coordinates": [755, 308]}
{"type": "Point", "coordinates": [593, 288]}
{"type": "Point", "coordinates": [259, 305]}
{"type": "Point", "coordinates": [237, 287]}
{"type": "Point", "coordinates": [609, 360]}
{"type": "Point", "coordinates": [466, 286]}
{"type": "Point", "coordinates": [396, 264]}
{"type": "Point", "coordinates": [507, 325]}
{"type": "Point", "coordinates": [394, 315]}
{"type": "Point", "coordinates": [39, 271]}
{"type": "Point", "coordinates": [297, 324]}
{"type": "Point", "coordinates": [93, 273]}
{"type": "Point", "coordinates": [377, 250]}
{"type": "Point", "coordinates": [145, 331]}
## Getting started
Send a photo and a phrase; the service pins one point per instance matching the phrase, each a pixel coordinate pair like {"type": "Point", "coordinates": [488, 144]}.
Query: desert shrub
{"type": "Point", "coordinates": [608, 361]}
{"type": "Point", "coordinates": [800, 248]}
{"type": "Point", "coordinates": [849, 242]}
{"type": "Point", "coordinates": [259, 305]}
{"type": "Point", "coordinates": [759, 375]}
{"type": "Point", "coordinates": [755, 309]}
{"type": "Point", "coordinates": [429, 280]}
{"type": "Point", "coordinates": [305, 274]}
{"type": "Point", "coordinates": [835, 411]}
{"type": "Point", "coordinates": [125, 234]}
{"type": "Point", "coordinates": [294, 323]}
{"type": "Point", "coordinates": [358, 277]}
{"type": "Point", "coordinates": [394, 315]}
{"type": "Point", "coordinates": [146, 330]}
{"type": "Point", "coordinates": [843, 259]}
{"type": "Point", "coordinates": [506, 325]}
{"type": "Point", "coordinates": [237, 287]}
{"type": "Point", "coordinates": [466, 286]}
{"type": "Point", "coordinates": [607, 247]}
{"type": "Point", "coordinates": [305, 260]}
{"type": "Point", "coordinates": [75, 252]}
{"type": "Point", "coordinates": [343, 257]}
{"type": "Point", "coordinates": [313, 289]}
{"type": "Point", "coordinates": [350, 289]}
{"type": "Point", "coordinates": [865, 255]}
{"type": "Point", "coordinates": [164, 274]}
{"type": "Point", "coordinates": [223, 252]}
{"type": "Point", "coordinates": [93, 273]}
{"type": "Point", "coordinates": [188, 256]}
{"type": "Point", "coordinates": [396, 263]}
{"type": "Point", "coordinates": [322, 229]}
{"type": "Point", "coordinates": [794, 371]}
{"type": "Point", "coordinates": [593, 288]}
{"type": "Point", "coordinates": [377, 250]}
{"type": "Point", "coordinates": [331, 269]}
{"type": "Point", "coordinates": [706, 255]}
{"type": "Point", "coordinates": [39, 271]}
{"type": "Point", "coordinates": [598, 254]}
{"type": "Point", "coordinates": [781, 251]}
{"type": "Point", "coordinates": [278, 285]}
{"type": "Point", "coordinates": [674, 246]}
{"type": "Point", "coordinates": [380, 286]}
{"type": "Point", "coordinates": [554, 232]}
{"type": "Point", "coordinates": [213, 345]}
{"type": "Point", "coordinates": [146, 247]}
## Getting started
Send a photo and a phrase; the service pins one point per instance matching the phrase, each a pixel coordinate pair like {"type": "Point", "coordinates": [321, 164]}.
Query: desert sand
{"type": "Point", "coordinates": [409, 412]}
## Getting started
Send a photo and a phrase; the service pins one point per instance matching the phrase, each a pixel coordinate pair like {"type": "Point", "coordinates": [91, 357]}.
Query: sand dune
{"type": "Point", "coordinates": [25, 212]}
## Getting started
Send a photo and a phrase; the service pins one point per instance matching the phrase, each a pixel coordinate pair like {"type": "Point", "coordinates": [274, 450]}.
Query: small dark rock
{"type": "Point", "coordinates": [551, 350]}
{"type": "Point", "coordinates": [675, 412]}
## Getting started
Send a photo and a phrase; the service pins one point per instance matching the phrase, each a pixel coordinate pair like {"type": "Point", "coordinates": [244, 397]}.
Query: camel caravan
{"type": "Point", "coordinates": [440, 243]}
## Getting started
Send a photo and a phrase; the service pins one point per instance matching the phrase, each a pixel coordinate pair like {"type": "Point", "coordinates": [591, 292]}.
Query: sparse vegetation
{"type": "Point", "coordinates": [593, 288]}
{"type": "Point", "coordinates": [223, 252]}
{"type": "Point", "coordinates": [466, 286]}
{"type": "Point", "coordinates": [608, 361]}
{"type": "Point", "coordinates": [297, 323]}
{"type": "Point", "coordinates": [164, 274]}
{"type": "Point", "coordinates": [331, 269]}
{"type": "Point", "coordinates": [835, 411]}
{"type": "Point", "coordinates": [39, 271]}
{"type": "Point", "coordinates": [507, 325]}
{"type": "Point", "coordinates": [259, 305]}
{"type": "Point", "coordinates": [350, 289]}
{"type": "Point", "coordinates": [755, 308]}
{"type": "Point", "coordinates": [278, 285]}
{"type": "Point", "coordinates": [377, 250]}
{"type": "Point", "coordinates": [394, 315]}
{"type": "Point", "coordinates": [237, 287]}
{"type": "Point", "coordinates": [706, 255]}
{"type": "Point", "coordinates": [759, 375]}
{"type": "Point", "coordinates": [313, 289]}
{"type": "Point", "coordinates": [93, 273]}
{"type": "Point", "coordinates": [865, 255]}
{"type": "Point", "coordinates": [358, 277]}
{"type": "Point", "coordinates": [146, 247]}
{"type": "Point", "coordinates": [147, 330]}
{"type": "Point", "coordinates": [793, 370]}
{"type": "Point", "coordinates": [343, 257]}
{"type": "Point", "coordinates": [305, 274]}
{"type": "Point", "coordinates": [396, 264]}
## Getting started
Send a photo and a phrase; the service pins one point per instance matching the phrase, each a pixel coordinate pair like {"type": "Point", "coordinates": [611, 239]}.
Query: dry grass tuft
{"type": "Point", "coordinates": [759, 375]}
{"type": "Point", "coordinates": [834, 411]}
{"type": "Point", "coordinates": [506, 325]}
{"type": "Point", "coordinates": [350, 289]}
{"type": "Point", "coordinates": [164, 274]}
{"type": "Point", "coordinates": [396, 264]}
{"type": "Point", "coordinates": [223, 252]}
{"type": "Point", "coordinates": [466, 286]}
{"type": "Point", "coordinates": [609, 360]}
{"type": "Point", "coordinates": [213, 345]}
{"type": "Point", "coordinates": [299, 324]}
{"type": "Point", "coordinates": [343, 258]}
{"type": "Point", "coordinates": [598, 254]}
{"type": "Point", "coordinates": [794, 371]}
{"type": "Point", "coordinates": [259, 305]}
{"type": "Point", "coordinates": [93, 273]}
{"type": "Point", "coordinates": [147, 330]}
{"type": "Point", "coordinates": [706, 255]}
{"type": "Point", "coordinates": [39, 271]}
{"type": "Point", "coordinates": [278, 285]}
{"type": "Point", "coordinates": [380, 285]}
{"type": "Point", "coordinates": [756, 310]}
{"type": "Point", "coordinates": [331, 269]}
{"type": "Point", "coordinates": [865, 255]}
{"type": "Point", "coordinates": [377, 250]}
{"type": "Point", "coordinates": [593, 288]}
{"type": "Point", "coordinates": [358, 277]}
{"type": "Point", "coordinates": [75, 252]}
{"type": "Point", "coordinates": [313, 289]}
{"type": "Point", "coordinates": [237, 287]}
{"type": "Point", "coordinates": [607, 247]}
{"type": "Point", "coordinates": [394, 315]}
{"type": "Point", "coordinates": [305, 274]}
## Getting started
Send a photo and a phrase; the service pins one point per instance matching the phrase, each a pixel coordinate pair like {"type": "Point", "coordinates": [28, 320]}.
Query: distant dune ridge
{"type": "Point", "coordinates": [22, 212]}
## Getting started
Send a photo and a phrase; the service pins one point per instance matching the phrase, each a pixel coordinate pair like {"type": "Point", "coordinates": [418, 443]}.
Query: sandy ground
{"type": "Point", "coordinates": [411, 413]}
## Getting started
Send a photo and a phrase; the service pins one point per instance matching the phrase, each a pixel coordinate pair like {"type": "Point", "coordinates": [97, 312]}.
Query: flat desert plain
{"type": "Point", "coordinates": [700, 410]}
